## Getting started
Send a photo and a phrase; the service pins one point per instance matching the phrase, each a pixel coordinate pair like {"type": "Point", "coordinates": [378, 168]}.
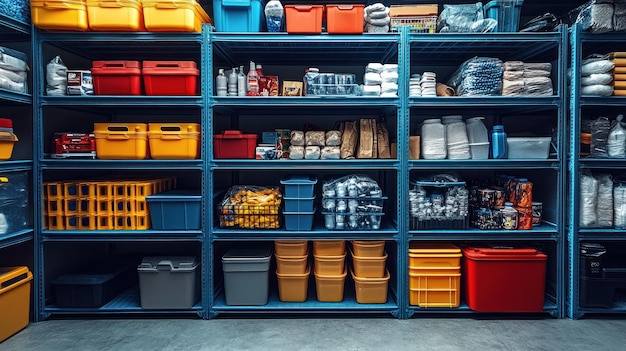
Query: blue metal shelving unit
{"type": "Point", "coordinates": [587, 107]}
{"type": "Point", "coordinates": [47, 118]}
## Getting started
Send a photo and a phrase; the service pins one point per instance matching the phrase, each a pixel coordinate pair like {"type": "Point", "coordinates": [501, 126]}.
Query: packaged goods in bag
{"type": "Point", "coordinates": [616, 144]}
{"type": "Point", "coordinates": [456, 138]}
{"type": "Point", "coordinates": [588, 200]}
{"type": "Point", "coordinates": [600, 128]}
{"type": "Point", "coordinates": [434, 140]}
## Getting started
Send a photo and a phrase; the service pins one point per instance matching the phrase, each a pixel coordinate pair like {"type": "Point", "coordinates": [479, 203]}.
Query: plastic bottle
{"type": "Point", "coordinates": [433, 140]}
{"type": "Point", "coordinates": [498, 142]}
{"type": "Point", "coordinates": [253, 80]}
{"type": "Point", "coordinates": [478, 138]}
{"type": "Point", "coordinates": [221, 83]}
{"type": "Point", "coordinates": [232, 82]}
{"type": "Point", "coordinates": [259, 70]}
{"type": "Point", "coordinates": [509, 217]}
{"type": "Point", "coordinates": [242, 83]}
{"type": "Point", "coordinates": [311, 80]}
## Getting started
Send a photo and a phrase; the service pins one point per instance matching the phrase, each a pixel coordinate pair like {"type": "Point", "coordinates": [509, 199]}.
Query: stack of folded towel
{"type": "Point", "coordinates": [376, 18]}
{"type": "Point", "coordinates": [526, 79]}
{"type": "Point", "coordinates": [13, 69]}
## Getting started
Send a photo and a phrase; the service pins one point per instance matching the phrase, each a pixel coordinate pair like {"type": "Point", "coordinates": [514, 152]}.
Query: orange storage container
{"type": "Point", "coordinates": [116, 77]}
{"type": "Point", "coordinates": [304, 19]}
{"type": "Point", "coordinates": [344, 19]}
{"type": "Point", "coordinates": [121, 141]}
{"type": "Point", "coordinates": [368, 248]}
{"type": "Point", "coordinates": [434, 281]}
{"type": "Point", "coordinates": [291, 248]}
{"type": "Point", "coordinates": [174, 15]}
{"type": "Point", "coordinates": [329, 288]}
{"type": "Point", "coordinates": [14, 300]}
{"type": "Point", "coordinates": [329, 248]}
{"type": "Point", "coordinates": [330, 265]}
{"type": "Point", "coordinates": [174, 141]}
{"type": "Point", "coordinates": [371, 290]}
{"type": "Point", "coordinates": [170, 77]}
{"type": "Point", "coordinates": [291, 264]}
{"type": "Point", "coordinates": [429, 254]}
{"type": "Point", "coordinates": [59, 14]}
{"type": "Point", "coordinates": [293, 287]}
{"type": "Point", "coordinates": [445, 298]}
{"type": "Point", "coordinates": [115, 15]}
{"type": "Point", "coordinates": [369, 267]}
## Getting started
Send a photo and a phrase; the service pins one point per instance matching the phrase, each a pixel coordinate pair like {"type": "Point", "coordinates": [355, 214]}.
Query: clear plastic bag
{"type": "Point", "coordinates": [619, 205]}
{"type": "Point", "coordinates": [595, 16]}
{"type": "Point", "coordinates": [617, 139]}
{"type": "Point", "coordinates": [604, 209]}
{"type": "Point", "coordinates": [588, 200]}
{"type": "Point", "coordinates": [478, 76]}
{"type": "Point", "coordinates": [600, 128]}
{"type": "Point", "coordinates": [315, 138]}
{"type": "Point", "coordinates": [597, 79]}
{"type": "Point", "coordinates": [297, 138]}
{"type": "Point", "coordinates": [56, 77]}
{"type": "Point", "coordinates": [464, 18]}
{"type": "Point", "coordinates": [333, 138]}
{"type": "Point", "coordinates": [596, 63]}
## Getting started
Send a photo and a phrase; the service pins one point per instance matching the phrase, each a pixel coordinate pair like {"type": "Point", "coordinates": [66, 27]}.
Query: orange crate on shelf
{"type": "Point", "coordinates": [304, 19]}
{"type": "Point", "coordinates": [344, 19]}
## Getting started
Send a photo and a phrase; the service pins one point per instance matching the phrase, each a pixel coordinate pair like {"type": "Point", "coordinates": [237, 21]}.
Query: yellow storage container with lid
{"type": "Point", "coordinates": [432, 254]}
{"type": "Point", "coordinates": [115, 15]}
{"type": "Point", "coordinates": [174, 141]}
{"type": "Point", "coordinates": [14, 300]}
{"type": "Point", "coordinates": [174, 16]}
{"type": "Point", "coordinates": [59, 14]}
{"type": "Point", "coordinates": [7, 141]}
{"type": "Point", "coordinates": [121, 141]}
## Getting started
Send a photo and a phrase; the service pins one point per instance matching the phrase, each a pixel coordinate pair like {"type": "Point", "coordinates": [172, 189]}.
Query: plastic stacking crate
{"type": "Point", "coordinates": [304, 19]}
{"type": "Point", "coordinates": [238, 15]}
{"type": "Point", "coordinates": [330, 288]}
{"type": "Point", "coordinates": [174, 15]}
{"type": "Point", "coordinates": [293, 287]}
{"type": "Point", "coordinates": [368, 248]}
{"type": "Point", "coordinates": [504, 279]}
{"type": "Point", "coordinates": [329, 247]}
{"type": "Point", "coordinates": [14, 300]}
{"type": "Point", "coordinates": [121, 141]}
{"type": "Point", "coordinates": [299, 204]}
{"type": "Point", "coordinates": [174, 141]}
{"type": "Point", "coordinates": [432, 254]}
{"type": "Point", "coordinates": [344, 19]}
{"type": "Point", "coordinates": [291, 247]}
{"type": "Point", "coordinates": [175, 210]}
{"type": "Point", "coordinates": [299, 187]}
{"type": "Point", "coordinates": [116, 77]}
{"type": "Point", "coordinates": [234, 144]}
{"type": "Point", "coordinates": [169, 282]}
{"type": "Point", "coordinates": [7, 142]}
{"type": "Point", "coordinates": [435, 290]}
{"type": "Point", "coordinates": [170, 77]}
{"type": "Point", "coordinates": [299, 220]}
{"type": "Point", "coordinates": [506, 12]}
{"type": "Point", "coordinates": [369, 267]}
{"type": "Point", "coordinates": [115, 15]}
{"type": "Point", "coordinates": [65, 15]}
{"type": "Point", "coordinates": [457, 218]}
{"type": "Point", "coordinates": [371, 290]}
{"type": "Point", "coordinates": [246, 276]}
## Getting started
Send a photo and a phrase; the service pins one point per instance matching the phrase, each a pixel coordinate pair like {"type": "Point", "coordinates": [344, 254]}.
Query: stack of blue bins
{"type": "Point", "coordinates": [299, 202]}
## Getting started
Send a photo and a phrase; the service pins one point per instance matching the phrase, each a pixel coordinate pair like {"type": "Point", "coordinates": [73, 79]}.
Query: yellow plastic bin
{"type": "Point", "coordinates": [291, 264]}
{"type": "Point", "coordinates": [293, 287]}
{"type": "Point", "coordinates": [59, 14]}
{"type": "Point", "coordinates": [329, 248]}
{"type": "Point", "coordinates": [174, 141]}
{"type": "Point", "coordinates": [14, 300]}
{"type": "Point", "coordinates": [371, 290]}
{"type": "Point", "coordinates": [329, 288]}
{"type": "Point", "coordinates": [449, 298]}
{"type": "Point", "coordinates": [434, 270]}
{"type": "Point", "coordinates": [121, 141]}
{"type": "Point", "coordinates": [369, 267]}
{"type": "Point", "coordinates": [291, 248]}
{"type": "Point", "coordinates": [115, 15]}
{"type": "Point", "coordinates": [330, 265]}
{"type": "Point", "coordinates": [434, 281]}
{"type": "Point", "coordinates": [424, 254]}
{"type": "Point", "coordinates": [7, 142]}
{"type": "Point", "coordinates": [368, 248]}
{"type": "Point", "coordinates": [174, 16]}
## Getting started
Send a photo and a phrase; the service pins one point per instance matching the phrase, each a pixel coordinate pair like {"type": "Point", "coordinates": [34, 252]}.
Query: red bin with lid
{"type": "Point", "coordinates": [234, 144]}
{"type": "Point", "coordinates": [116, 77]}
{"type": "Point", "coordinates": [504, 279]}
{"type": "Point", "coordinates": [170, 77]}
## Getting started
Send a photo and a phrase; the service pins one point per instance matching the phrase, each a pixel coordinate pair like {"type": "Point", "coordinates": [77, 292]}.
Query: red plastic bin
{"type": "Point", "coordinates": [304, 19]}
{"type": "Point", "coordinates": [344, 19]}
{"type": "Point", "coordinates": [116, 77]}
{"type": "Point", "coordinates": [504, 279]}
{"type": "Point", "coordinates": [234, 144]}
{"type": "Point", "coordinates": [170, 77]}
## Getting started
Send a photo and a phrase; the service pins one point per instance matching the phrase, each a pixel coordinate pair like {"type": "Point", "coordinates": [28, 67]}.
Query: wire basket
{"type": "Point", "coordinates": [416, 24]}
{"type": "Point", "coordinates": [249, 216]}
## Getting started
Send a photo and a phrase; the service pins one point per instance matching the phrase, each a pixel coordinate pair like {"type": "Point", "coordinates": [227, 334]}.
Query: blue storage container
{"type": "Point", "coordinates": [299, 187]}
{"type": "Point", "coordinates": [506, 12]}
{"type": "Point", "coordinates": [298, 204]}
{"type": "Point", "coordinates": [175, 210]}
{"type": "Point", "coordinates": [299, 220]}
{"type": "Point", "coordinates": [238, 15]}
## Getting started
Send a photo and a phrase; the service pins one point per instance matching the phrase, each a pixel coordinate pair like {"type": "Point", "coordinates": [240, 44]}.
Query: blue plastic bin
{"type": "Point", "coordinates": [506, 12]}
{"type": "Point", "coordinates": [299, 187]}
{"type": "Point", "coordinates": [238, 15]}
{"type": "Point", "coordinates": [175, 210]}
{"type": "Point", "coordinates": [299, 220]}
{"type": "Point", "coordinates": [298, 204]}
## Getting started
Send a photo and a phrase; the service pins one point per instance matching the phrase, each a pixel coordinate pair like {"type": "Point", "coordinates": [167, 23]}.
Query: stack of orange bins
{"type": "Point", "coordinates": [292, 270]}
{"type": "Point", "coordinates": [371, 278]}
{"type": "Point", "coordinates": [619, 73]}
{"type": "Point", "coordinates": [101, 205]}
{"type": "Point", "coordinates": [434, 274]}
{"type": "Point", "coordinates": [330, 270]}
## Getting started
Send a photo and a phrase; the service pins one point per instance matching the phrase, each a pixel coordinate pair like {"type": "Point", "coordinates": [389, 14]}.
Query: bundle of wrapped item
{"type": "Point", "coordinates": [619, 73]}
{"type": "Point", "coordinates": [600, 16]}
{"type": "Point", "coordinates": [479, 76]}
{"type": "Point", "coordinates": [13, 69]}
{"type": "Point", "coordinates": [526, 79]}
{"type": "Point", "coordinates": [372, 80]}
{"type": "Point", "coordinates": [597, 75]}
{"type": "Point", "coordinates": [376, 18]}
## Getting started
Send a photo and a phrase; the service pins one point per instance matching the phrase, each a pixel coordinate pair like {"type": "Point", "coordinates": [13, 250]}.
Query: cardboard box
{"type": "Point", "coordinates": [291, 88]}
{"type": "Point", "coordinates": [268, 85]}
{"type": "Point", "coordinates": [414, 10]}
{"type": "Point", "coordinates": [267, 152]}
{"type": "Point", "coordinates": [79, 82]}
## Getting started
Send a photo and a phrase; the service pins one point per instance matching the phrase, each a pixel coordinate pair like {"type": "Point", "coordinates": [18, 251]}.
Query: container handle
{"type": "Point", "coordinates": [345, 7]}
{"type": "Point", "coordinates": [303, 7]}
{"type": "Point", "coordinates": [165, 265]}
{"type": "Point", "coordinates": [231, 134]}
{"type": "Point", "coordinates": [13, 283]}
{"type": "Point", "coordinates": [173, 64]}
{"type": "Point", "coordinates": [110, 3]}
{"type": "Point", "coordinates": [56, 5]}
{"type": "Point", "coordinates": [170, 136]}
{"type": "Point", "coordinates": [236, 3]}
{"type": "Point", "coordinates": [114, 65]}
{"type": "Point", "coordinates": [166, 5]}
{"type": "Point", "coordinates": [119, 136]}
{"type": "Point", "coordinates": [508, 252]}
{"type": "Point", "coordinates": [170, 128]}
{"type": "Point", "coordinates": [117, 129]}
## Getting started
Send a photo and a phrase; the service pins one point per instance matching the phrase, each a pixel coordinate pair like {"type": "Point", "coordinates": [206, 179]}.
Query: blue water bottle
{"type": "Point", "coordinates": [498, 142]}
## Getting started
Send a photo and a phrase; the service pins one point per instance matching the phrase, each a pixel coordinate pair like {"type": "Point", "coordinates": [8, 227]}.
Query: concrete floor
{"type": "Point", "coordinates": [320, 334]}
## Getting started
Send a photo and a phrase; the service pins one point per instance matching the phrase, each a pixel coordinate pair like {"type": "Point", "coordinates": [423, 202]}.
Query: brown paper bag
{"type": "Point", "coordinates": [414, 147]}
{"type": "Point", "coordinates": [349, 139]}
{"type": "Point", "coordinates": [366, 139]}
{"type": "Point", "coordinates": [383, 141]}
{"type": "Point", "coordinates": [394, 150]}
{"type": "Point", "coordinates": [374, 138]}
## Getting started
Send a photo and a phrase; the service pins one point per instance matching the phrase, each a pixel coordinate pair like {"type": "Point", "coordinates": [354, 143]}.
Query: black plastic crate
{"type": "Point", "coordinates": [427, 224]}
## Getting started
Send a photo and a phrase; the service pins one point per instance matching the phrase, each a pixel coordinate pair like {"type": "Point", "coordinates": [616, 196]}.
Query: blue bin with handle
{"type": "Point", "coordinates": [238, 15]}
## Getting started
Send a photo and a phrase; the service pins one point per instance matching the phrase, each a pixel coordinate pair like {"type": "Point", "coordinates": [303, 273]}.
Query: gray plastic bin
{"type": "Point", "coordinates": [246, 276]}
{"type": "Point", "coordinates": [169, 282]}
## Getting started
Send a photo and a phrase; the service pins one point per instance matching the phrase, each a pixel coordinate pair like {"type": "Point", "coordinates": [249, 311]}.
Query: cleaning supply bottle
{"type": "Point", "coordinates": [221, 83]}
{"type": "Point", "coordinates": [253, 80]}
{"type": "Point", "coordinates": [498, 142]}
{"type": "Point", "coordinates": [232, 82]}
{"type": "Point", "coordinates": [259, 70]}
{"type": "Point", "coordinates": [242, 83]}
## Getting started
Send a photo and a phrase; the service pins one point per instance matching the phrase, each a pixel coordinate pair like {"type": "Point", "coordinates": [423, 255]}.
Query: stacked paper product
{"type": "Point", "coordinates": [526, 79]}
{"type": "Point", "coordinates": [373, 79]}
{"type": "Point", "coordinates": [424, 84]}
{"type": "Point", "coordinates": [597, 75]}
{"type": "Point", "coordinates": [376, 18]}
{"type": "Point", "coordinates": [389, 75]}
{"type": "Point", "coordinates": [13, 69]}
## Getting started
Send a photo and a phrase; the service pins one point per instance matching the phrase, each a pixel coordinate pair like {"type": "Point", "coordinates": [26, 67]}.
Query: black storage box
{"type": "Point", "coordinates": [600, 292]}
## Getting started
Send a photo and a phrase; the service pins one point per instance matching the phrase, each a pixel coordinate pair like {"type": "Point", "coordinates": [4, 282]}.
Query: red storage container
{"type": "Point", "coordinates": [116, 77]}
{"type": "Point", "coordinates": [170, 77]}
{"type": "Point", "coordinates": [504, 279]}
{"type": "Point", "coordinates": [234, 144]}
{"type": "Point", "coordinates": [6, 123]}
{"type": "Point", "coordinates": [344, 19]}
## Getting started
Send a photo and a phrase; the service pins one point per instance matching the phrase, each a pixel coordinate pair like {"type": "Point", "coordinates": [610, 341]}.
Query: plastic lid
{"type": "Point", "coordinates": [508, 204]}
{"type": "Point", "coordinates": [523, 179]}
{"type": "Point", "coordinates": [299, 180]}
{"type": "Point", "coordinates": [498, 127]}
{"type": "Point", "coordinates": [243, 253]}
{"type": "Point", "coordinates": [168, 263]}
{"type": "Point", "coordinates": [433, 248]}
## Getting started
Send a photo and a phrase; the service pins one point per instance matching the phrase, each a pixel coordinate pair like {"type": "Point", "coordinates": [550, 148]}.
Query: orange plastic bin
{"type": "Point", "coordinates": [14, 300]}
{"type": "Point", "coordinates": [304, 19]}
{"type": "Point", "coordinates": [344, 19]}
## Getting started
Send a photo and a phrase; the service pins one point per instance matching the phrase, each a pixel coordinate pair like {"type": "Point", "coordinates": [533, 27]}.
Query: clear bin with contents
{"type": "Point", "coordinates": [333, 84]}
{"type": "Point", "coordinates": [352, 213]}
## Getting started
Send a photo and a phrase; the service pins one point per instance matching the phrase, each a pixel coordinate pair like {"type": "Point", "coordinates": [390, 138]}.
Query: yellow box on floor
{"type": "Point", "coordinates": [14, 300]}
{"type": "Point", "coordinates": [115, 15]}
{"type": "Point", "coordinates": [174, 141]}
{"type": "Point", "coordinates": [59, 14]}
{"type": "Point", "coordinates": [121, 141]}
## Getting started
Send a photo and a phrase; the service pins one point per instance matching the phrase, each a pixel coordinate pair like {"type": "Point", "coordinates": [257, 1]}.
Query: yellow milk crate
{"type": "Point", "coordinates": [54, 222]}
{"type": "Point", "coordinates": [87, 222]}
{"type": "Point", "coordinates": [115, 15]}
{"type": "Point", "coordinates": [70, 223]}
{"type": "Point", "coordinates": [105, 222]}
{"type": "Point", "coordinates": [70, 190]}
{"type": "Point", "coordinates": [53, 190]}
{"type": "Point", "coordinates": [142, 222]}
{"type": "Point", "coordinates": [121, 141]}
{"type": "Point", "coordinates": [106, 207]}
{"type": "Point", "coordinates": [70, 206]}
{"type": "Point", "coordinates": [174, 16]}
{"type": "Point", "coordinates": [174, 141]}
{"type": "Point", "coordinates": [54, 207]}
{"type": "Point", "coordinates": [59, 14]}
